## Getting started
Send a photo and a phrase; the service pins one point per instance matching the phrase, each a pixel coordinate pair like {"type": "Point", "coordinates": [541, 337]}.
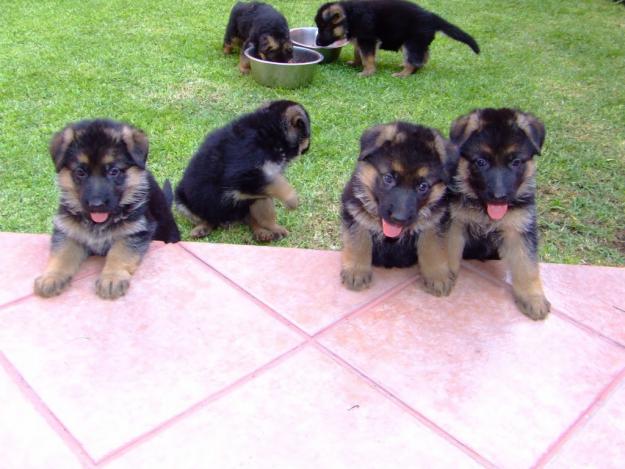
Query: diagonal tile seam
{"type": "Point", "coordinates": [379, 388]}
{"type": "Point", "coordinates": [556, 311]}
{"type": "Point", "coordinates": [44, 411]}
{"type": "Point", "coordinates": [389, 395]}
{"type": "Point", "coordinates": [78, 277]}
{"type": "Point", "coordinates": [170, 422]}
{"type": "Point", "coordinates": [586, 415]}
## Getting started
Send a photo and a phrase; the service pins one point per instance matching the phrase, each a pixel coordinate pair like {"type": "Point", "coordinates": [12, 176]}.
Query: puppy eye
{"type": "Point", "coordinates": [481, 163]}
{"type": "Point", "coordinates": [113, 171]}
{"type": "Point", "coordinates": [423, 187]}
{"type": "Point", "coordinates": [388, 179]}
{"type": "Point", "coordinates": [515, 163]}
{"type": "Point", "coordinates": [80, 173]}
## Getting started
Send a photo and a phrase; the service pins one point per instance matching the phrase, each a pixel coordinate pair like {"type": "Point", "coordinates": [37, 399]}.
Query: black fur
{"type": "Point", "coordinates": [226, 175]}
{"type": "Point", "coordinates": [391, 23]}
{"type": "Point", "coordinates": [253, 24]}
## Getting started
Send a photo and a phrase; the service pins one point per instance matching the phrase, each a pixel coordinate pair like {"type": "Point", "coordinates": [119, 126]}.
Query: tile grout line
{"type": "Point", "coordinates": [71, 442]}
{"type": "Point", "coordinates": [445, 435]}
{"type": "Point", "coordinates": [170, 422]}
{"type": "Point", "coordinates": [587, 414]}
{"type": "Point", "coordinates": [556, 311]}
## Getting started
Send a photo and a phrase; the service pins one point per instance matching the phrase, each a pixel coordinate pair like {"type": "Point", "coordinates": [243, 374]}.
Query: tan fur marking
{"type": "Point", "coordinates": [339, 32]}
{"type": "Point", "coordinates": [434, 263]}
{"type": "Point", "coordinates": [368, 175]}
{"type": "Point", "coordinates": [108, 159]}
{"type": "Point", "coordinates": [397, 166]}
{"type": "Point", "coordinates": [59, 144]}
{"type": "Point", "coordinates": [121, 263]}
{"type": "Point", "coordinates": [63, 263]}
{"type": "Point", "coordinates": [82, 158]}
{"type": "Point", "coordinates": [357, 62]}
{"type": "Point", "coordinates": [526, 283]}
{"type": "Point", "coordinates": [69, 194]}
{"type": "Point", "coordinates": [462, 178]}
{"type": "Point", "coordinates": [244, 63]}
{"type": "Point", "coordinates": [368, 62]}
{"type": "Point", "coordinates": [437, 191]}
{"type": "Point", "coordinates": [464, 126]}
{"type": "Point", "coordinates": [529, 179]}
{"type": "Point", "coordinates": [525, 122]}
{"type": "Point", "coordinates": [423, 171]}
{"type": "Point", "coordinates": [263, 221]}
{"type": "Point", "coordinates": [356, 272]}
{"type": "Point", "coordinates": [440, 147]}
{"type": "Point", "coordinates": [408, 70]}
{"type": "Point", "coordinates": [455, 246]}
{"type": "Point", "coordinates": [136, 186]}
{"type": "Point", "coordinates": [282, 190]}
{"type": "Point", "coordinates": [334, 13]}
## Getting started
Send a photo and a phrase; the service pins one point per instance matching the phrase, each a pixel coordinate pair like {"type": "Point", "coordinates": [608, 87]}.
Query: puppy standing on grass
{"type": "Point", "coordinates": [391, 24]}
{"type": "Point", "coordinates": [262, 26]}
{"type": "Point", "coordinates": [493, 209]}
{"type": "Point", "coordinates": [110, 206]}
{"type": "Point", "coordinates": [395, 209]}
{"type": "Point", "coordinates": [237, 172]}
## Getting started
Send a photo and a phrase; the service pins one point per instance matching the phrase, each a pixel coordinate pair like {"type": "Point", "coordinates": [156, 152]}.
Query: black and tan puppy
{"type": "Point", "coordinates": [237, 172]}
{"type": "Point", "coordinates": [110, 205]}
{"type": "Point", "coordinates": [493, 206]}
{"type": "Point", "coordinates": [262, 26]}
{"type": "Point", "coordinates": [395, 208]}
{"type": "Point", "coordinates": [389, 24]}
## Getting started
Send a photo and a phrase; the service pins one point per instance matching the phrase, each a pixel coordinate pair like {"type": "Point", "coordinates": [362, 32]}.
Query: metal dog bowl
{"type": "Point", "coordinates": [294, 74]}
{"type": "Point", "coordinates": [307, 37]}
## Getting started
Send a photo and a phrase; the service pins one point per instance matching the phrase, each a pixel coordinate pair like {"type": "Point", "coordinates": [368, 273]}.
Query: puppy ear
{"type": "Point", "coordinates": [58, 146]}
{"type": "Point", "coordinates": [533, 129]}
{"type": "Point", "coordinates": [463, 127]}
{"type": "Point", "coordinates": [297, 124]}
{"type": "Point", "coordinates": [267, 42]}
{"type": "Point", "coordinates": [448, 154]}
{"type": "Point", "coordinates": [137, 144]}
{"type": "Point", "coordinates": [378, 137]}
{"type": "Point", "coordinates": [334, 14]}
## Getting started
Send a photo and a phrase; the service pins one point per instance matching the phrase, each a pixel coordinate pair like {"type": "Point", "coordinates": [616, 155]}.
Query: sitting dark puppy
{"type": "Point", "coordinates": [493, 208]}
{"type": "Point", "coordinates": [110, 206]}
{"type": "Point", "coordinates": [260, 25]}
{"type": "Point", "coordinates": [395, 209]}
{"type": "Point", "coordinates": [237, 171]}
{"type": "Point", "coordinates": [391, 24]}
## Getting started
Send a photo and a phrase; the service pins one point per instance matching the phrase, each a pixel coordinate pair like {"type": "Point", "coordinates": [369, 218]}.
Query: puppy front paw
{"type": "Point", "coordinates": [292, 202]}
{"type": "Point", "coordinates": [51, 284]}
{"type": "Point", "coordinates": [112, 285]}
{"type": "Point", "coordinates": [535, 307]}
{"type": "Point", "coordinates": [270, 234]}
{"type": "Point", "coordinates": [366, 73]}
{"type": "Point", "coordinates": [356, 279]}
{"type": "Point", "coordinates": [439, 284]}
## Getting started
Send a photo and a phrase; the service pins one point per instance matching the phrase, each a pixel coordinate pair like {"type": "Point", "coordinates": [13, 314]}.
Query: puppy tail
{"type": "Point", "coordinates": [456, 33]}
{"type": "Point", "coordinates": [168, 192]}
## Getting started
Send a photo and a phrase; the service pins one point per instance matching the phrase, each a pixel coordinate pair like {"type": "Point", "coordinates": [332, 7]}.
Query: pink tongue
{"type": "Point", "coordinates": [496, 211]}
{"type": "Point", "coordinates": [99, 217]}
{"type": "Point", "coordinates": [391, 231]}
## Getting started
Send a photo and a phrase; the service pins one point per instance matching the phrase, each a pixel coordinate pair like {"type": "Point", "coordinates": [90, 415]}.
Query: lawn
{"type": "Point", "coordinates": [158, 65]}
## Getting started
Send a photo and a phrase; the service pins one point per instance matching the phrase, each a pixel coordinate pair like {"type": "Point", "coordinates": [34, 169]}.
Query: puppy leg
{"type": "Point", "coordinates": [519, 252]}
{"type": "Point", "coordinates": [244, 62]}
{"type": "Point", "coordinates": [230, 44]}
{"type": "Point", "coordinates": [455, 247]}
{"type": "Point", "coordinates": [356, 272]}
{"type": "Point", "coordinates": [415, 57]}
{"type": "Point", "coordinates": [121, 262]}
{"type": "Point", "coordinates": [280, 188]}
{"type": "Point", "coordinates": [201, 230]}
{"type": "Point", "coordinates": [433, 263]}
{"type": "Point", "coordinates": [65, 259]}
{"type": "Point", "coordinates": [357, 62]}
{"type": "Point", "coordinates": [367, 54]}
{"type": "Point", "coordinates": [263, 221]}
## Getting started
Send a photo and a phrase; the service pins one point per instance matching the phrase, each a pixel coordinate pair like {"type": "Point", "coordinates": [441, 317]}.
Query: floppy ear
{"type": "Point", "coordinates": [297, 124]}
{"type": "Point", "coordinates": [463, 127]}
{"type": "Point", "coordinates": [58, 146]}
{"type": "Point", "coordinates": [368, 142]}
{"type": "Point", "coordinates": [334, 14]}
{"type": "Point", "coordinates": [137, 144]}
{"type": "Point", "coordinates": [267, 42]}
{"type": "Point", "coordinates": [533, 129]}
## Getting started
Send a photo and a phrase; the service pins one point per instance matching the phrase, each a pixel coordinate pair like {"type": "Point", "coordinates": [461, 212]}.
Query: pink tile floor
{"type": "Point", "coordinates": [239, 356]}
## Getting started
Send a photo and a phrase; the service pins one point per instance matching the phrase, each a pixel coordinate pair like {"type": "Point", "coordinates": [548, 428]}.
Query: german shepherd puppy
{"type": "Point", "coordinates": [493, 207]}
{"type": "Point", "coordinates": [237, 171]}
{"type": "Point", "coordinates": [394, 207]}
{"type": "Point", "coordinates": [262, 26]}
{"type": "Point", "coordinates": [110, 205]}
{"type": "Point", "coordinates": [391, 24]}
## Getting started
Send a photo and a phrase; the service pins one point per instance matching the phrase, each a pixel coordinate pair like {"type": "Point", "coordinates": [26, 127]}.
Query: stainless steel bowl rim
{"type": "Point", "coordinates": [335, 45]}
{"type": "Point", "coordinates": [305, 49]}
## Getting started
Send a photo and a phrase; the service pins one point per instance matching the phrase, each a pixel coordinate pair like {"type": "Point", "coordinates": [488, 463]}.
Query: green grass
{"type": "Point", "coordinates": [158, 65]}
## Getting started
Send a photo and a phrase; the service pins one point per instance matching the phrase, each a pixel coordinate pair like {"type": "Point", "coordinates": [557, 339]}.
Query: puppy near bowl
{"type": "Point", "coordinates": [297, 73]}
{"type": "Point", "coordinates": [307, 37]}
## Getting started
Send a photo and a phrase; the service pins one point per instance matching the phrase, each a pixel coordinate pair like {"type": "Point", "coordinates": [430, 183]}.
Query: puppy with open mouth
{"type": "Point", "coordinates": [395, 208]}
{"type": "Point", "coordinates": [493, 206]}
{"type": "Point", "coordinates": [388, 24]}
{"type": "Point", "coordinates": [110, 206]}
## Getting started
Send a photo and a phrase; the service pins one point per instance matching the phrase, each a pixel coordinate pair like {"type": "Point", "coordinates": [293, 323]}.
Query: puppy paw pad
{"type": "Point", "coordinates": [356, 279]}
{"type": "Point", "coordinates": [112, 286]}
{"type": "Point", "coordinates": [50, 285]}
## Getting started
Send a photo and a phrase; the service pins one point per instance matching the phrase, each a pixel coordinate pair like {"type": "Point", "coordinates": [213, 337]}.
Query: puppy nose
{"type": "Point", "coordinates": [97, 204]}
{"type": "Point", "coordinates": [399, 218]}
